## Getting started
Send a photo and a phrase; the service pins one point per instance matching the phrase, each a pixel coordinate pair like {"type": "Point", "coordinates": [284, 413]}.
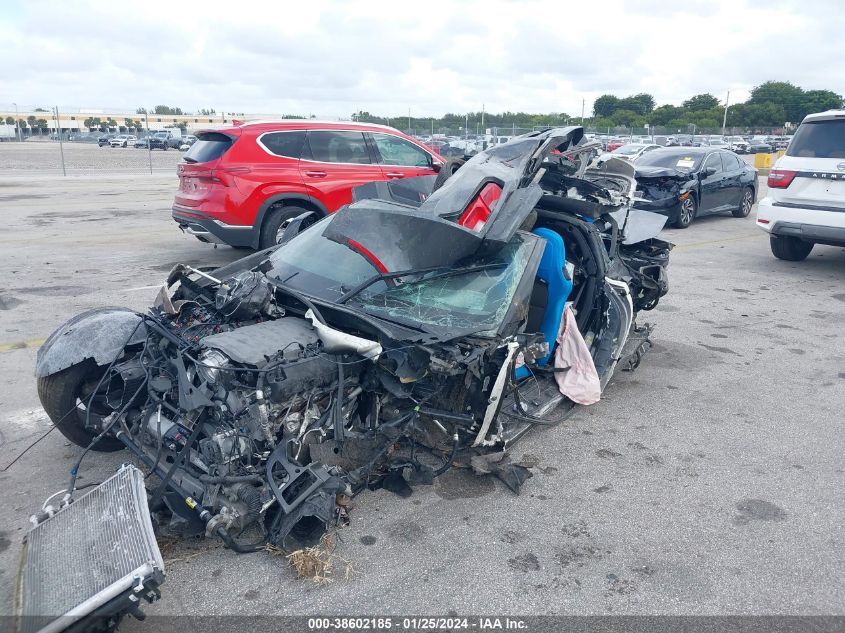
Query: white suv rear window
{"type": "Point", "coordinates": [819, 139]}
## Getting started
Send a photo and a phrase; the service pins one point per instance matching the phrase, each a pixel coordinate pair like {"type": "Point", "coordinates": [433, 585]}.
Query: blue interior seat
{"type": "Point", "coordinates": [553, 286]}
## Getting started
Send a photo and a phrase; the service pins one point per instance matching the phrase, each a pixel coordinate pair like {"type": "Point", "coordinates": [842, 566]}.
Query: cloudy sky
{"type": "Point", "coordinates": [333, 57]}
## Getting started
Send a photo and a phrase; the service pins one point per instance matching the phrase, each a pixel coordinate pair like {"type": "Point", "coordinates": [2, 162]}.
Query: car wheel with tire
{"type": "Point", "coordinates": [271, 229]}
{"type": "Point", "coordinates": [789, 248]}
{"type": "Point", "coordinates": [686, 212]}
{"type": "Point", "coordinates": [65, 396]}
{"type": "Point", "coordinates": [745, 203]}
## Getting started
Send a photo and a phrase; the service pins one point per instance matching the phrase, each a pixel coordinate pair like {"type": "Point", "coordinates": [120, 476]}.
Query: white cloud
{"type": "Point", "coordinates": [331, 57]}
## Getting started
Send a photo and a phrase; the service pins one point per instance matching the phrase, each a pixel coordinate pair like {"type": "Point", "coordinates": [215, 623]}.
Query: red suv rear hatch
{"type": "Point", "coordinates": [200, 174]}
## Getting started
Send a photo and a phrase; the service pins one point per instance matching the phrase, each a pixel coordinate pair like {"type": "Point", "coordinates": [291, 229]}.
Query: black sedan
{"type": "Point", "coordinates": [759, 147]}
{"type": "Point", "coordinates": [687, 182]}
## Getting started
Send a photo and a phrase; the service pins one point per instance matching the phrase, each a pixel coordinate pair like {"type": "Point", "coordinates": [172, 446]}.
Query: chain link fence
{"type": "Point", "coordinates": [74, 140]}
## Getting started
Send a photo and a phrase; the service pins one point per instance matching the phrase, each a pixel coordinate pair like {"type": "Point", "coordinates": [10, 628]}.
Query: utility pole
{"type": "Point", "coordinates": [17, 123]}
{"type": "Point", "coordinates": [582, 112]}
{"type": "Point", "coordinates": [61, 147]}
{"type": "Point", "coordinates": [409, 120]}
{"type": "Point", "coordinates": [482, 116]}
{"type": "Point", "coordinates": [466, 126]}
{"type": "Point", "coordinates": [725, 118]}
{"type": "Point", "coordinates": [149, 148]}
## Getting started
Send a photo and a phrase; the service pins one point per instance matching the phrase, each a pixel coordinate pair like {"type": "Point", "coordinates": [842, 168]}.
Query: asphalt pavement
{"type": "Point", "coordinates": [709, 481]}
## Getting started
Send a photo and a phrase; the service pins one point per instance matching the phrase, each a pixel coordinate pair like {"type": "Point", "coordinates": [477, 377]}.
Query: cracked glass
{"type": "Point", "coordinates": [457, 299]}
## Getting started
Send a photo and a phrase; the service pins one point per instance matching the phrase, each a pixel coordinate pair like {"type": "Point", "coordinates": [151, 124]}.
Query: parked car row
{"type": "Point", "coordinates": [242, 185]}
{"type": "Point", "coordinates": [162, 140]}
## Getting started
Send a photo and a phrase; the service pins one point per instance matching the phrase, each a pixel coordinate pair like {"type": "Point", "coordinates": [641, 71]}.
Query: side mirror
{"type": "Point", "coordinates": [707, 172]}
{"type": "Point", "coordinates": [436, 166]}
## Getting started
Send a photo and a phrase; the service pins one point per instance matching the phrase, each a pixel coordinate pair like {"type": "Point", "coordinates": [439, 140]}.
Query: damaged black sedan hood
{"type": "Point", "coordinates": [646, 171]}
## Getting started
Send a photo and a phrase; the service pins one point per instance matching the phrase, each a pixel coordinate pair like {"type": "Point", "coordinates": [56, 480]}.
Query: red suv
{"type": "Point", "coordinates": [239, 185]}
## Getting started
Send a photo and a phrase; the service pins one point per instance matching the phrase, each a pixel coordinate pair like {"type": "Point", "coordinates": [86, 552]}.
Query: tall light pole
{"type": "Point", "coordinates": [61, 146]}
{"type": "Point", "coordinates": [149, 147]}
{"type": "Point", "coordinates": [725, 118]}
{"type": "Point", "coordinates": [17, 123]}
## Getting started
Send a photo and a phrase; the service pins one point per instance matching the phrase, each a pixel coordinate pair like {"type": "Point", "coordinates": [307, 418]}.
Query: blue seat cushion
{"type": "Point", "coordinates": [558, 287]}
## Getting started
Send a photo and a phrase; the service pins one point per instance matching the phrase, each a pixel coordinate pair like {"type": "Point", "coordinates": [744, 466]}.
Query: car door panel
{"type": "Point", "coordinates": [734, 184]}
{"type": "Point", "coordinates": [712, 187]}
{"type": "Point", "coordinates": [334, 162]}
{"type": "Point", "coordinates": [399, 158]}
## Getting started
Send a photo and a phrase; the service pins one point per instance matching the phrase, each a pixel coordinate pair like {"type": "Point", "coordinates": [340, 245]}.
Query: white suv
{"type": "Point", "coordinates": [806, 200]}
{"type": "Point", "coordinates": [123, 140]}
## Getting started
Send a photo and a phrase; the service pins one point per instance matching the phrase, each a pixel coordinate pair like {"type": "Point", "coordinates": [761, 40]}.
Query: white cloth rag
{"type": "Point", "coordinates": [580, 383]}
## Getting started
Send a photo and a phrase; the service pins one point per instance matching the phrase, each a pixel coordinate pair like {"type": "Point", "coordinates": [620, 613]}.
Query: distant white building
{"type": "Point", "coordinates": [76, 121]}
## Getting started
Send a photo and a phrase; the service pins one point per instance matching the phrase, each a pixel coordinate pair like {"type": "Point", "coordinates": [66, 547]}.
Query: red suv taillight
{"type": "Point", "coordinates": [479, 209]}
{"type": "Point", "coordinates": [781, 178]}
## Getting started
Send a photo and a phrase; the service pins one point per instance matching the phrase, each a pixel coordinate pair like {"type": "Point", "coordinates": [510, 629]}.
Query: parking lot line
{"type": "Point", "coordinates": [32, 343]}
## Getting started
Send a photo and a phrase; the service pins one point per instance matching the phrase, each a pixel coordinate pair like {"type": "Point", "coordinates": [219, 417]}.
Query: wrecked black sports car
{"type": "Point", "coordinates": [377, 347]}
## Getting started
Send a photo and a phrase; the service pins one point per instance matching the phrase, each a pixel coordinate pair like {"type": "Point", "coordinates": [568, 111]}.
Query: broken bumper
{"type": "Point", "coordinates": [210, 230]}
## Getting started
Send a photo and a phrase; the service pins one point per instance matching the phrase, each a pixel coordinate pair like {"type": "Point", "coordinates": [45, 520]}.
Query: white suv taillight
{"type": "Point", "coordinates": [781, 178]}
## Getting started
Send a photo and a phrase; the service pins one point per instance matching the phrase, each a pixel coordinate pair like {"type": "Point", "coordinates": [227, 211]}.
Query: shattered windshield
{"type": "Point", "coordinates": [318, 266]}
{"type": "Point", "coordinates": [458, 299]}
{"type": "Point", "coordinates": [472, 296]}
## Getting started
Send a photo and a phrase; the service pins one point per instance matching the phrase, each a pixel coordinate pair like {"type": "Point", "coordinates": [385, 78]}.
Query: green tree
{"type": "Point", "coordinates": [141, 111]}
{"type": "Point", "coordinates": [163, 109]}
{"type": "Point", "coordinates": [819, 101]}
{"type": "Point", "coordinates": [602, 123]}
{"type": "Point", "coordinates": [605, 105]}
{"type": "Point", "coordinates": [704, 101]}
{"type": "Point", "coordinates": [665, 113]}
{"type": "Point", "coordinates": [758, 115]}
{"type": "Point", "coordinates": [42, 124]}
{"type": "Point", "coordinates": [10, 120]}
{"type": "Point", "coordinates": [31, 120]}
{"type": "Point", "coordinates": [628, 118]}
{"type": "Point", "coordinates": [781, 93]}
{"type": "Point", "coordinates": [641, 103]}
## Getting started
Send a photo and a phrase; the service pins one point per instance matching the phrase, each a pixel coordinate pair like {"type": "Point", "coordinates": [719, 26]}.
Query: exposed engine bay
{"type": "Point", "coordinates": [261, 396]}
